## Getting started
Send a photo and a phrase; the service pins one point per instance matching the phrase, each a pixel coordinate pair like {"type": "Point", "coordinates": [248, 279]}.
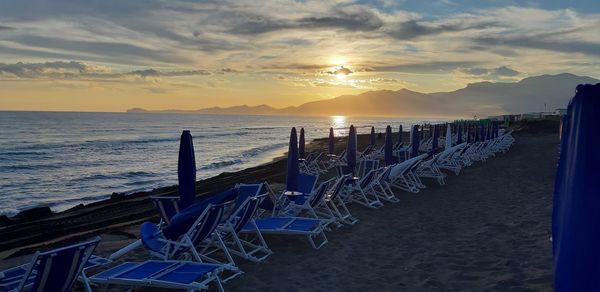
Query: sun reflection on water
{"type": "Point", "coordinates": [339, 125]}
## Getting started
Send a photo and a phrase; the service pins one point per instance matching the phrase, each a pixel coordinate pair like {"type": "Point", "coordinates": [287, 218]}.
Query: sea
{"type": "Point", "coordinates": [62, 159]}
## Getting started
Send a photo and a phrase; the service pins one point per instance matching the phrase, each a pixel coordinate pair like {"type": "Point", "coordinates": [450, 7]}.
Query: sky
{"type": "Point", "coordinates": [112, 55]}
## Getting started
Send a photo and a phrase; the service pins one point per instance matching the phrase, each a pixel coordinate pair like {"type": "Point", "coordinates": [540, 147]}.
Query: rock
{"type": "Point", "coordinates": [35, 213]}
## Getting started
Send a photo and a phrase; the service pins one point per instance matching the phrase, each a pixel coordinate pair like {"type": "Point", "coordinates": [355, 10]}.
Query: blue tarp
{"type": "Point", "coordinates": [576, 214]}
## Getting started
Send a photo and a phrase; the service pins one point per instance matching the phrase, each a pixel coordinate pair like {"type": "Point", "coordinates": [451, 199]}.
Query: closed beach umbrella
{"type": "Point", "coordinates": [373, 138]}
{"type": "Point", "coordinates": [576, 212]}
{"type": "Point", "coordinates": [435, 138]}
{"type": "Point", "coordinates": [387, 150]}
{"type": "Point", "coordinates": [331, 141]}
{"type": "Point", "coordinates": [186, 170]}
{"type": "Point", "coordinates": [301, 144]}
{"type": "Point", "coordinates": [400, 134]}
{"type": "Point", "coordinates": [459, 135]}
{"type": "Point", "coordinates": [469, 137]}
{"type": "Point", "coordinates": [293, 169]}
{"type": "Point", "coordinates": [448, 137]}
{"type": "Point", "coordinates": [476, 128]}
{"type": "Point", "coordinates": [482, 133]}
{"type": "Point", "coordinates": [414, 141]}
{"type": "Point", "coordinates": [351, 150]}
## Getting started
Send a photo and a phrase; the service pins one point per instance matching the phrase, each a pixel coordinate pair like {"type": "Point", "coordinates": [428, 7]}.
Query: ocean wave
{"type": "Point", "coordinates": [220, 164]}
{"type": "Point", "coordinates": [261, 128]}
{"type": "Point", "coordinates": [261, 149]}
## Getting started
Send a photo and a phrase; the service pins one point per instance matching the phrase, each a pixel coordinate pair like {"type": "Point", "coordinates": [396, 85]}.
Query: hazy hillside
{"type": "Point", "coordinates": [484, 98]}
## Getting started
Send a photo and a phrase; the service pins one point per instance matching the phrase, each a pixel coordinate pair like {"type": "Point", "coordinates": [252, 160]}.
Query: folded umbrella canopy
{"type": "Point", "coordinates": [331, 144]}
{"type": "Point", "coordinates": [459, 139]}
{"type": "Point", "coordinates": [293, 169]}
{"type": "Point", "coordinates": [435, 138]}
{"type": "Point", "coordinates": [414, 141]}
{"type": "Point", "coordinates": [186, 170]}
{"type": "Point", "coordinates": [400, 134]}
{"type": "Point", "coordinates": [576, 212]}
{"type": "Point", "coordinates": [388, 155]}
{"type": "Point", "coordinates": [448, 136]}
{"type": "Point", "coordinates": [373, 137]}
{"type": "Point", "coordinates": [301, 144]}
{"type": "Point", "coordinates": [351, 151]}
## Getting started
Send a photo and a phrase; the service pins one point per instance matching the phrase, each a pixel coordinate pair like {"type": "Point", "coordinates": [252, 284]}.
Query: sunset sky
{"type": "Point", "coordinates": [114, 55]}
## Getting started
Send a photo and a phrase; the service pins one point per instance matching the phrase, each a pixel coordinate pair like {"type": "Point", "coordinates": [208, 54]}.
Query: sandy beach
{"type": "Point", "coordinates": [487, 229]}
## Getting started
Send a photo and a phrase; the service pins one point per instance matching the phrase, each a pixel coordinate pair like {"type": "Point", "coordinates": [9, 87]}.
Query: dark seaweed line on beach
{"type": "Point", "coordinates": [113, 212]}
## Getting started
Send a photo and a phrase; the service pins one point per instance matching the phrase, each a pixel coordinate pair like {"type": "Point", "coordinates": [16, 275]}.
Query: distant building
{"type": "Point", "coordinates": [560, 111]}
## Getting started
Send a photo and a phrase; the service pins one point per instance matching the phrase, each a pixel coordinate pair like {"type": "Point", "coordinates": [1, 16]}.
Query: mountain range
{"type": "Point", "coordinates": [538, 93]}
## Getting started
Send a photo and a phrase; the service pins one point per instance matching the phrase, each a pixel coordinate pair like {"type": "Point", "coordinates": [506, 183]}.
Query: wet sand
{"type": "Point", "coordinates": [486, 229]}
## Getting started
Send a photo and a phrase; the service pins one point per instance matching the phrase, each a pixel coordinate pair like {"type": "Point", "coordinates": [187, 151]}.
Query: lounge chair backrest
{"type": "Point", "coordinates": [245, 191]}
{"type": "Point", "coordinates": [366, 180]}
{"type": "Point", "coordinates": [206, 225]}
{"type": "Point", "coordinates": [245, 212]}
{"type": "Point", "coordinates": [385, 174]}
{"type": "Point", "coordinates": [319, 193]}
{"type": "Point", "coordinates": [57, 270]}
{"type": "Point", "coordinates": [338, 186]}
{"type": "Point", "coordinates": [310, 157]}
{"type": "Point", "coordinates": [307, 182]}
{"type": "Point", "coordinates": [167, 206]}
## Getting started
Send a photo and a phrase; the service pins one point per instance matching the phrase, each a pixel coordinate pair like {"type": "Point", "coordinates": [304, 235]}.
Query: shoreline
{"type": "Point", "coordinates": [39, 227]}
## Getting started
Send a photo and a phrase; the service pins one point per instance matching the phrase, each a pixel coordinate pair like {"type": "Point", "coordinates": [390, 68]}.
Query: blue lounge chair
{"type": "Point", "coordinates": [362, 192]}
{"type": "Point", "coordinates": [311, 228]}
{"type": "Point", "coordinates": [54, 270]}
{"type": "Point", "coordinates": [246, 205]}
{"type": "Point", "coordinates": [162, 274]}
{"type": "Point", "coordinates": [187, 229]}
{"type": "Point", "coordinates": [336, 204]}
{"type": "Point", "coordinates": [314, 205]}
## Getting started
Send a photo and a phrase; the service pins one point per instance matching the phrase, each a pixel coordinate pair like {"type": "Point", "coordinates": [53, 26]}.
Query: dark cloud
{"type": "Point", "coordinates": [341, 70]}
{"type": "Point", "coordinates": [118, 52]}
{"type": "Point", "coordinates": [425, 67]}
{"type": "Point", "coordinates": [502, 71]}
{"type": "Point", "coordinates": [491, 74]}
{"type": "Point", "coordinates": [57, 69]}
{"type": "Point", "coordinates": [542, 42]}
{"type": "Point", "coordinates": [355, 19]}
{"type": "Point", "coordinates": [413, 29]}
{"type": "Point", "coordinates": [229, 70]}
{"type": "Point", "coordinates": [3, 27]}
{"type": "Point", "coordinates": [80, 70]}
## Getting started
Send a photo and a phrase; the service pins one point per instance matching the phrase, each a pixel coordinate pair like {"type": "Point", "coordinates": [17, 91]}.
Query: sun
{"type": "Point", "coordinates": [338, 61]}
{"type": "Point", "coordinates": [340, 76]}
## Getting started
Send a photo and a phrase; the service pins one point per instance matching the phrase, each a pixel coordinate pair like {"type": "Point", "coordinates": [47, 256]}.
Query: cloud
{"type": "Point", "coordinates": [84, 71]}
{"type": "Point", "coordinates": [500, 71]}
{"type": "Point", "coordinates": [341, 71]}
{"type": "Point", "coordinates": [540, 42]}
{"type": "Point", "coordinates": [3, 27]}
{"type": "Point", "coordinates": [57, 69]}
{"type": "Point", "coordinates": [413, 29]}
{"type": "Point", "coordinates": [424, 67]}
{"type": "Point", "coordinates": [351, 18]}
{"type": "Point", "coordinates": [229, 70]}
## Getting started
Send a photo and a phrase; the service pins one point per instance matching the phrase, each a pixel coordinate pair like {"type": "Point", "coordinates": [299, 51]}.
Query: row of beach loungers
{"type": "Point", "coordinates": [198, 246]}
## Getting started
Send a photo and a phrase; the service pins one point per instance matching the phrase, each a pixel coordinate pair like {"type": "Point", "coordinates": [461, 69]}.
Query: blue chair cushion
{"type": "Point", "coordinates": [150, 235]}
